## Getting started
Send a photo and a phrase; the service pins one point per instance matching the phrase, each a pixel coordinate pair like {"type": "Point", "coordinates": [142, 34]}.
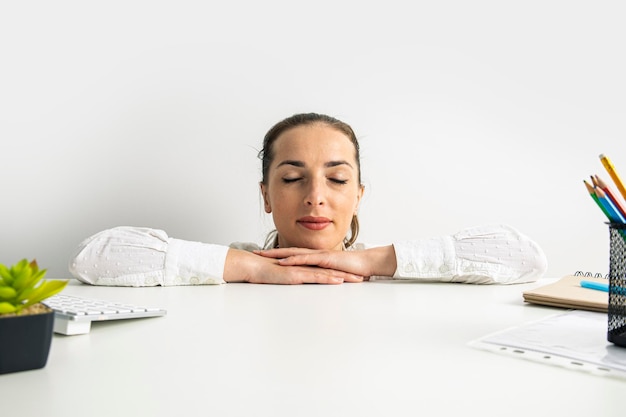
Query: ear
{"type": "Point", "coordinates": [359, 196]}
{"type": "Point", "coordinates": [266, 201]}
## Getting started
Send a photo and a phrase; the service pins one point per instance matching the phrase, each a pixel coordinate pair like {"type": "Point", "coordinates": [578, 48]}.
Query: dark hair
{"type": "Point", "coordinates": [267, 155]}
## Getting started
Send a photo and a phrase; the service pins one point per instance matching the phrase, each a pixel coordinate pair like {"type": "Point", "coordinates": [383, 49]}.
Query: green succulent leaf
{"type": "Point", "coordinates": [6, 275]}
{"type": "Point", "coordinates": [7, 293]}
{"type": "Point", "coordinates": [24, 295]}
{"type": "Point", "coordinates": [45, 290]}
{"type": "Point", "coordinates": [29, 281]}
{"type": "Point", "coordinates": [17, 269]}
{"type": "Point", "coordinates": [22, 285]}
{"type": "Point", "coordinates": [22, 279]}
{"type": "Point", "coordinates": [6, 307]}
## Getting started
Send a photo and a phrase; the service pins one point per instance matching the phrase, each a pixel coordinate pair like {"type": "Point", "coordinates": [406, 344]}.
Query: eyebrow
{"type": "Point", "coordinates": [301, 164]}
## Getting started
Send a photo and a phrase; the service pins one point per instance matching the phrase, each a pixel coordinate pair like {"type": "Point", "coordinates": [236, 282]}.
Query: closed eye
{"type": "Point", "coordinates": [291, 180]}
{"type": "Point", "coordinates": [333, 180]}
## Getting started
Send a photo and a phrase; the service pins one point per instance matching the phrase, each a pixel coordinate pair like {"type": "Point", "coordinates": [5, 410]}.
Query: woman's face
{"type": "Point", "coordinates": [313, 187]}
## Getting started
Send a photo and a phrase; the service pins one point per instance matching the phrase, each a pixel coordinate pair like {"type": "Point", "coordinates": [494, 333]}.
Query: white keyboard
{"type": "Point", "coordinates": [73, 314]}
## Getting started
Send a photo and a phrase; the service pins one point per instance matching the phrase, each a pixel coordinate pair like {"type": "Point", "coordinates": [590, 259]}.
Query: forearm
{"type": "Point", "coordinates": [240, 265]}
{"type": "Point", "coordinates": [135, 256]}
{"type": "Point", "coordinates": [124, 256]}
{"type": "Point", "coordinates": [381, 261]}
{"type": "Point", "coordinates": [487, 254]}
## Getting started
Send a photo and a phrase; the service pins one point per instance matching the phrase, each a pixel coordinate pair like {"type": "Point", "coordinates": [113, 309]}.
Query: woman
{"type": "Point", "coordinates": [312, 187]}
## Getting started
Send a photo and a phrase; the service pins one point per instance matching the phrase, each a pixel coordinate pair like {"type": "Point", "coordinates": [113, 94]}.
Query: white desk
{"type": "Point", "coordinates": [379, 348]}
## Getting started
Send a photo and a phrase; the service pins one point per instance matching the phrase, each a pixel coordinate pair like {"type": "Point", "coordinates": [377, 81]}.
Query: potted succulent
{"type": "Point", "coordinates": [26, 323]}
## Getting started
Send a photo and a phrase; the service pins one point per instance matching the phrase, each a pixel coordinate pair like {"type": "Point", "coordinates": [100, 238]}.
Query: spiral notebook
{"type": "Point", "coordinates": [566, 292]}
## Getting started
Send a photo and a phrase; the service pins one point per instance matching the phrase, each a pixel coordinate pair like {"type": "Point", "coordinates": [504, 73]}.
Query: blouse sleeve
{"type": "Point", "coordinates": [491, 254]}
{"type": "Point", "coordinates": [141, 257]}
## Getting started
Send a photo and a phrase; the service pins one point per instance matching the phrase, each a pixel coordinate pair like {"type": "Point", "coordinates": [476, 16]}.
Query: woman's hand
{"type": "Point", "coordinates": [365, 263]}
{"type": "Point", "coordinates": [242, 266]}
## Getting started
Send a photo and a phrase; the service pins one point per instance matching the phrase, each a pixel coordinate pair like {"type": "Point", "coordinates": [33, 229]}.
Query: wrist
{"type": "Point", "coordinates": [237, 266]}
{"type": "Point", "coordinates": [381, 261]}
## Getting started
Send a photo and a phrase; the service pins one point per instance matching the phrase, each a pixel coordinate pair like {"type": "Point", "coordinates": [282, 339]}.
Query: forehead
{"type": "Point", "coordinates": [315, 141]}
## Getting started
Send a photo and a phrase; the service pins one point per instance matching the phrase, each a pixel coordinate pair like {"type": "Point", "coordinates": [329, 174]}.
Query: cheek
{"type": "Point", "coordinates": [281, 197]}
{"type": "Point", "coordinates": [350, 199]}
{"type": "Point", "coordinates": [345, 208]}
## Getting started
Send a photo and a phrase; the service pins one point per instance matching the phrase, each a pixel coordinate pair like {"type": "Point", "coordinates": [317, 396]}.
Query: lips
{"type": "Point", "coordinates": [314, 223]}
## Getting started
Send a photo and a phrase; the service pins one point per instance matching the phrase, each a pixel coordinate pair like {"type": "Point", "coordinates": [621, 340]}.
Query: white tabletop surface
{"type": "Point", "coordinates": [376, 348]}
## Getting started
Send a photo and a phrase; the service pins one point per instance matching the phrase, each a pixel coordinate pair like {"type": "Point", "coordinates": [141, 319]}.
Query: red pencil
{"type": "Point", "coordinates": [604, 187]}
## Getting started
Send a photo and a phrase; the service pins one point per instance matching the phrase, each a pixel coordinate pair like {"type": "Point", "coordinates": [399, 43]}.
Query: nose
{"type": "Point", "coordinates": [315, 194]}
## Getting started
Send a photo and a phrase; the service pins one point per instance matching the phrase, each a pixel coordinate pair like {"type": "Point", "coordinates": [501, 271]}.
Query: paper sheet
{"type": "Point", "coordinates": [575, 339]}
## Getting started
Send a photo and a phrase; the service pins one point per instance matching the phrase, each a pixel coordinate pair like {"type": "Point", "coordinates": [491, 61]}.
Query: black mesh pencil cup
{"type": "Point", "coordinates": [617, 284]}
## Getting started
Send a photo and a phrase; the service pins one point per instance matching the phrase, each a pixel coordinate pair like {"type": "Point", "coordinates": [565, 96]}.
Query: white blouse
{"type": "Point", "coordinates": [138, 257]}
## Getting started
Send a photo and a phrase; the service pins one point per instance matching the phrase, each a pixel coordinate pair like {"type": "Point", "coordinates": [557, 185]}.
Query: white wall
{"type": "Point", "coordinates": [150, 113]}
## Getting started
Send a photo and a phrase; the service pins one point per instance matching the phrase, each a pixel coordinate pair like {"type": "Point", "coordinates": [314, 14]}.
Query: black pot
{"type": "Point", "coordinates": [25, 341]}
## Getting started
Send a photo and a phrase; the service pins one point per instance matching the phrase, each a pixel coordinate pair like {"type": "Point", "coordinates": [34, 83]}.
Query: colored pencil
{"type": "Point", "coordinates": [593, 195]}
{"type": "Point", "coordinates": [616, 202]}
{"type": "Point", "coordinates": [613, 214]}
{"type": "Point", "coordinates": [605, 205]}
{"type": "Point", "coordinates": [608, 165]}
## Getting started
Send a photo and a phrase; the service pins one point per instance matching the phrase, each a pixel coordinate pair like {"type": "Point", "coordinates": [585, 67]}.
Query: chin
{"type": "Point", "coordinates": [317, 241]}
{"type": "Point", "coordinates": [319, 244]}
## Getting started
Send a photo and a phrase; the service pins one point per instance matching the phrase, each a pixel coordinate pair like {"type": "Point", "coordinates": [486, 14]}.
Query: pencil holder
{"type": "Point", "coordinates": [617, 284]}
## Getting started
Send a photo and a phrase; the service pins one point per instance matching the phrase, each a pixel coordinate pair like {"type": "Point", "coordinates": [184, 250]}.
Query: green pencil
{"type": "Point", "coordinates": [593, 195]}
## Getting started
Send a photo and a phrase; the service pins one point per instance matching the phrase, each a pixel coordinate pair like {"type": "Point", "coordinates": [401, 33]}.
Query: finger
{"type": "Point", "coordinates": [314, 278]}
{"type": "Point", "coordinates": [354, 278]}
{"type": "Point", "coordinates": [329, 276]}
{"type": "Point", "coordinates": [282, 253]}
{"type": "Point", "coordinates": [267, 253]}
{"type": "Point", "coordinates": [326, 276]}
{"type": "Point", "coordinates": [300, 260]}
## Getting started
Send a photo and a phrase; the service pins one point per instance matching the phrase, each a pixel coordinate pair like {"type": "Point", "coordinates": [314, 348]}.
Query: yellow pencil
{"type": "Point", "coordinates": [611, 170]}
